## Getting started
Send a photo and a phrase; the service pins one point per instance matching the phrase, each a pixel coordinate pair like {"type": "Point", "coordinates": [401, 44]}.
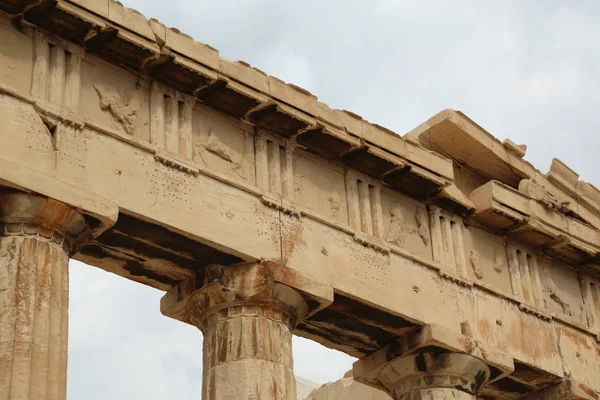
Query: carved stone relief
{"type": "Point", "coordinates": [499, 261]}
{"type": "Point", "coordinates": [476, 260]}
{"type": "Point", "coordinates": [396, 231]}
{"type": "Point", "coordinates": [562, 291]}
{"type": "Point", "coordinates": [216, 146]}
{"type": "Point", "coordinates": [486, 259]}
{"type": "Point", "coordinates": [114, 100]}
{"type": "Point", "coordinates": [319, 188]}
{"type": "Point", "coordinates": [335, 202]}
{"type": "Point", "coordinates": [123, 110]}
{"type": "Point", "coordinates": [223, 146]}
{"type": "Point", "coordinates": [422, 219]}
{"type": "Point", "coordinates": [553, 293]}
{"type": "Point", "coordinates": [405, 223]}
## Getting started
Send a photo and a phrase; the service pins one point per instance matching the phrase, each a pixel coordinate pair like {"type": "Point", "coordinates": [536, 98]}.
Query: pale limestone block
{"type": "Point", "coordinates": [36, 147]}
{"type": "Point", "coordinates": [130, 18]}
{"type": "Point", "coordinates": [245, 73]}
{"type": "Point", "coordinates": [564, 171]}
{"type": "Point", "coordinates": [185, 45]}
{"type": "Point", "coordinates": [519, 149]}
{"type": "Point", "coordinates": [293, 95]}
{"type": "Point", "coordinates": [580, 356]}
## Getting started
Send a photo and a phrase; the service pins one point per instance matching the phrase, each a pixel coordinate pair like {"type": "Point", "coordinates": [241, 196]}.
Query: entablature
{"type": "Point", "coordinates": [297, 183]}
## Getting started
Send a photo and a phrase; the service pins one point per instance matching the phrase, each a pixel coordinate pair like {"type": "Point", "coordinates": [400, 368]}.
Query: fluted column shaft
{"type": "Point", "coordinates": [36, 235]}
{"type": "Point", "coordinates": [247, 320]}
{"type": "Point", "coordinates": [248, 354]}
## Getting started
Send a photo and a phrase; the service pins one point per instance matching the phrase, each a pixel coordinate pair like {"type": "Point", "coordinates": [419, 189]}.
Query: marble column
{"type": "Point", "coordinates": [37, 236]}
{"type": "Point", "coordinates": [434, 376]}
{"type": "Point", "coordinates": [247, 320]}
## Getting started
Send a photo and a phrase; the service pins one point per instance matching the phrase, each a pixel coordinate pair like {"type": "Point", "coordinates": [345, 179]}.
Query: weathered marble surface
{"type": "Point", "coordinates": [37, 235]}
{"type": "Point", "coordinates": [179, 159]}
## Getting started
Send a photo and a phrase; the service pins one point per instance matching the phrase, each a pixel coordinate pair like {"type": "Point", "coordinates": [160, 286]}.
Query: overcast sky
{"type": "Point", "coordinates": [525, 70]}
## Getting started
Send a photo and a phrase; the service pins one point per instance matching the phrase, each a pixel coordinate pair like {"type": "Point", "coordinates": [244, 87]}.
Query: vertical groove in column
{"type": "Point", "coordinates": [64, 325]}
{"type": "Point", "coordinates": [55, 329]}
{"type": "Point", "coordinates": [33, 318]}
{"type": "Point", "coordinates": [34, 256]}
{"type": "Point", "coordinates": [41, 323]}
{"type": "Point", "coordinates": [23, 335]}
{"type": "Point", "coordinates": [10, 252]}
{"type": "Point", "coordinates": [250, 341]}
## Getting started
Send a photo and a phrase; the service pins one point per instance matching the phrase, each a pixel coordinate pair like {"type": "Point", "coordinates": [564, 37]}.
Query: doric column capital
{"type": "Point", "coordinates": [421, 371]}
{"type": "Point", "coordinates": [32, 215]}
{"type": "Point", "coordinates": [244, 288]}
{"type": "Point", "coordinates": [270, 285]}
{"type": "Point", "coordinates": [247, 313]}
{"type": "Point", "coordinates": [433, 363]}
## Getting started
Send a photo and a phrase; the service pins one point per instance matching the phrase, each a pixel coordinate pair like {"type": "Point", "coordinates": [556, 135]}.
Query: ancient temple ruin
{"type": "Point", "coordinates": [449, 265]}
